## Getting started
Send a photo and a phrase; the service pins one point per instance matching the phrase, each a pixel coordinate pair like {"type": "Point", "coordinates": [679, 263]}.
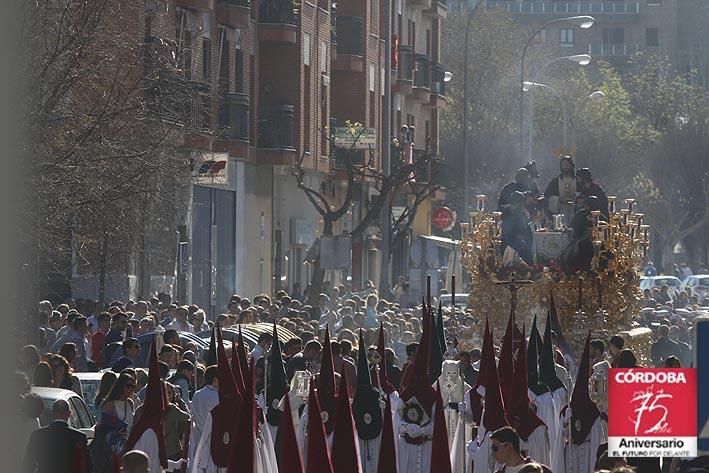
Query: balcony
{"type": "Point", "coordinates": [613, 50]}
{"type": "Point", "coordinates": [422, 78]}
{"type": "Point", "coordinates": [405, 71]}
{"type": "Point", "coordinates": [197, 110]}
{"type": "Point", "coordinates": [196, 5]}
{"type": "Point", "coordinates": [589, 7]}
{"type": "Point", "coordinates": [420, 4]}
{"type": "Point", "coordinates": [438, 86]}
{"type": "Point", "coordinates": [275, 128]}
{"type": "Point", "coordinates": [438, 9]}
{"type": "Point", "coordinates": [278, 21]}
{"type": "Point", "coordinates": [234, 13]}
{"type": "Point", "coordinates": [234, 117]}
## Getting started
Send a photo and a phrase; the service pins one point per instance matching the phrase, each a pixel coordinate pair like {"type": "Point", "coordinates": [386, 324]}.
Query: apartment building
{"type": "Point", "coordinates": [623, 27]}
{"type": "Point", "coordinates": [266, 81]}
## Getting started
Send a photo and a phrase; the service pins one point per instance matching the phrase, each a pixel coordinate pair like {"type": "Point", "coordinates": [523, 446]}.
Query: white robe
{"type": "Point", "coordinates": [549, 406]}
{"type": "Point", "coordinates": [369, 454]}
{"type": "Point", "coordinates": [483, 461]}
{"type": "Point", "coordinates": [582, 458]}
{"type": "Point", "coordinates": [412, 458]}
{"type": "Point", "coordinates": [203, 401]}
{"type": "Point", "coordinates": [202, 462]}
{"type": "Point", "coordinates": [537, 445]}
{"type": "Point", "coordinates": [460, 460]}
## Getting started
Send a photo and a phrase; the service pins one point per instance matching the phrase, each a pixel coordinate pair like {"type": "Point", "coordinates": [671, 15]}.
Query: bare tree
{"type": "Point", "coordinates": [103, 109]}
{"type": "Point", "coordinates": [414, 178]}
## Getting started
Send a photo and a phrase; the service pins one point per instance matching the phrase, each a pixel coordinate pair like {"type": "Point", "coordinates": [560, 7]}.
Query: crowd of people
{"type": "Point", "coordinates": [359, 338]}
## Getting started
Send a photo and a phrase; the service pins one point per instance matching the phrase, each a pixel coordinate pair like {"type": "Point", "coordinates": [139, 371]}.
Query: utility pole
{"type": "Point", "coordinates": [386, 152]}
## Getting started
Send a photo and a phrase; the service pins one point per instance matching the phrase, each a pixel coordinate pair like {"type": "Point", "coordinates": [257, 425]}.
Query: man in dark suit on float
{"type": "Point", "coordinates": [57, 448]}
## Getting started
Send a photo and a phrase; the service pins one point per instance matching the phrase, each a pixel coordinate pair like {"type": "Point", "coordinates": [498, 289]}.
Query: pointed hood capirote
{"type": "Point", "coordinates": [226, 414]}
{"type": "Point", "coordinates": [475, 397]}
{"type": "Point", "coordinates": [494, 412]}
{"type": "Point", "coordinates": [153, 408]}
{"type": "Point", "coordinates": [418, 384]}
{"type": "Point", "coordinates": [365, 405]}
{"type": "Point", "coordinates": [289, 460]}
{"type": "Point", "coordinates": [243, 450]}
{"type": "Point", "coordinates": [326, 384]}
{"type": "Point", "coordinates": [277, 381]}
{"type": "Point", "coordinates": [584, 411]}
{"type": "Point", "coordinates": [547, 369]}
{"type": "Point", "coordinates": [533, 382]}
{"type": "Point", "coordinates": [440, 450]}
{"type": "Point", "coordinates": [436, 353]}
{"type": "Point", "coordinates": [384, 383]}
{"type": "Point", "coordinates": [318, 455]}
{"type": "Point", "coordinates": [505, 365]}
{"type": "Point", "coordinates": [387, 446]}
{"type": "Point", "coordinates": [345, 446]}
{"type": "Point", "coordinates": [521, 415]}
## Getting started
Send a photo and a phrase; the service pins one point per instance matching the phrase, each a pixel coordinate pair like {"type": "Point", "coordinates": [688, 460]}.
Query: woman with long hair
{"type": "Point", "coordinates": [104, 387]}
{"type": "Point", "coordinates": [625, 359]}
{"type": "Point", "coordinates": [43, 376]}
{"type": "Point", "coordinates": [63, 374]}
{"type": "Point", "coordinates": [113, 427]}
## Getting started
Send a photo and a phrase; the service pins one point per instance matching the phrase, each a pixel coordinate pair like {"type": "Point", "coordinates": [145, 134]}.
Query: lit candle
{"type": "Point", "coordinates": [630, 203]}
{"type": "Point", "coordinates": [611, 204]}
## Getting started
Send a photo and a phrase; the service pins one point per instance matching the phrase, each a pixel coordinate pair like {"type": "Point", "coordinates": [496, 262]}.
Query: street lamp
{"type": "Point", "coordinates": [528, 86]}
{"type": "Point", "coordinates": [581, 60]}
{"type": "Point", "coordinates": [583, 21]}
{"type": "Point", "coordinates": [466, 146]}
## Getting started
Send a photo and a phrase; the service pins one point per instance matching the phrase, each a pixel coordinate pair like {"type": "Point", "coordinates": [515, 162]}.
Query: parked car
{"type": "Point", "coordinates": [147, 338]}
{"type": "Point", "coordinates": [673, 284]}
{"type": "Point", "coordinates": [80, 418]}
{"type": "Point", "coordinates": [250, 332]}
{"type": "Point", "coordinates": [699, 284]}
{"type": "Point", "coordinates": [90, 383]}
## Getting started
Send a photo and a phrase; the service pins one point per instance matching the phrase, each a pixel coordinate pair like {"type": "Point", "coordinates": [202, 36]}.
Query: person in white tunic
{"type": "Point", "coordinates": [584, 421]}
{"type": "Point", "coordinates": [414, 408]}
{"type": "Point", "coordinates": [453, 389]}
{"type": "Point", "coordinates": [203, 401]}
{"type": "Point", "coordinates": [367, 411]}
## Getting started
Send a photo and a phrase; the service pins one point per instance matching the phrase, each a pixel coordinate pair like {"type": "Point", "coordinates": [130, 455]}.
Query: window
{"type": "Point", "coordinates": [239, 71]}
{"type": "Point", "coordinates": [652, 37]}
{"type": "Point", "coordinates": [306, 49]}
{"type": "Point", "coordinates": [428, 42]}
{"type": "Point", "coordinates": [372, 77]}
{"type": "Point", "coordinates": [381, 81]}
{"type": "Point", "coordinates": [223, 69]}
{"type": "Point", "coordinates": [322, 58]}
{"type": "Point", "coordinates": [566, 37]}
{"type": "Point", "coordinates": [613, 36]}
{"type": "Point", "coordinates": [543, 35]}
{"type": "Point", "coordinates": [206, 59]}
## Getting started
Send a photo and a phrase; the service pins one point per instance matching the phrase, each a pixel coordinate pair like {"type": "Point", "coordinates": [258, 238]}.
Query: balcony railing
{"type": "Point", "coordinates": [234, 116]}
{"type": "Point", "coordinates": [350, 38]}
{"type": "Point", "coordinates": [235, 3]}
{"type": "Point", "coordinates": [579, 7]}
{"type": "Point", "coordinates": [275, 128]}
{"type": "Point", "coordinates": [438, 75]}
{"type": "Point", "coordinates": [278, 11]}
{"type": "Point", "coordinates": [197, 115]}
{"type": "Point", "coordinates": [405, 68]}
{"type": "Point", "coordinates": [422, 71]}
{"type": "Point", "coordinates": [613, 50]}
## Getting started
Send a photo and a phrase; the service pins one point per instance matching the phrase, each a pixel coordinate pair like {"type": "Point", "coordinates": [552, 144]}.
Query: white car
{"type": "Point", "coordinates": [461, 300]}
{"type": "Point", "coordinates": [699, 284]}
{"type": "Point", "coordinates": [80, 418]}
{"type": "Point", "coordinates": [673, 284]}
